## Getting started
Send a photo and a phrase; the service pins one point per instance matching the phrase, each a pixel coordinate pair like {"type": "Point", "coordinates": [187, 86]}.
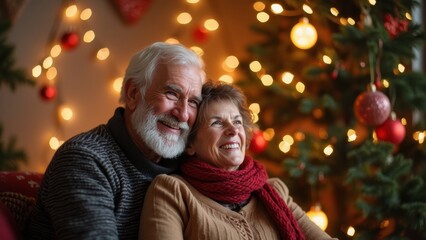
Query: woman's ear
{"type": "Point", "coordinates": [190, 150]}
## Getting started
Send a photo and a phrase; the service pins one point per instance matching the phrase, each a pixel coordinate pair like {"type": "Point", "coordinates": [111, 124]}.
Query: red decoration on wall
{"type": "Point", "coordinates": [200, 34]}
{"type": "Point", "coordinates": [131, 10]}
{"type": "Point", "coordinates": [391, 130]}
{"type": "Point", "coordinates": [258, 143]}
{"type": "Point", "coordinates": [48, 92]}
{"type": "Point", "coordinates": [372, 108]}
{"type": "Point", "coordinates": [69, 40]}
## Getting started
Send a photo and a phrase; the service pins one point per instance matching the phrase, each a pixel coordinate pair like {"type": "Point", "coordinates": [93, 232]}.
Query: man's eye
{"type": "Point", "coordinates": [193, 103]}
{"type": "Point", "coordinates": [172, 95]}
{"type": "Point", "coordinates": [238, 122]}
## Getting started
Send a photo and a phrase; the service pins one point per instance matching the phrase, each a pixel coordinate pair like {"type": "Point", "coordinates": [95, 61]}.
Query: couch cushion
{"type": "Point", "coordinates": [18, 191]}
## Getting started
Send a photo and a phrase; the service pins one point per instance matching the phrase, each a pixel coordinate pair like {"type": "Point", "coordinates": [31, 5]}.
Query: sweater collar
{"type": "Point", "coordinates": [116, 126]}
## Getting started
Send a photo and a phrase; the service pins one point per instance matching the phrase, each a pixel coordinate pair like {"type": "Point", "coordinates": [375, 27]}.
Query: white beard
{"type": "Point", "coordinates": [144, 121]}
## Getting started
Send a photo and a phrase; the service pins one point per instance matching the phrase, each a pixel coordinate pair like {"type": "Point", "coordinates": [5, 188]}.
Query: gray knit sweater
{"type": "Point", "coordinates": [95, 186]}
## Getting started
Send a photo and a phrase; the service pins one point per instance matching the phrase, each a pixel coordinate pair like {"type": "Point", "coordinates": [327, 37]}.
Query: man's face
{"type": "Point", "coordinates": [169, 109]}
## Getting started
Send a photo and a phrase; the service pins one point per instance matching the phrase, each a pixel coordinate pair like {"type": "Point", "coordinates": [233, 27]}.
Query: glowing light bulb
{"type": "Point", "coordinates": [318, 217]}
{"type": "Point", "coordinates": [103, 54]}
{"type": "Point", "coordinates": [303, 34]}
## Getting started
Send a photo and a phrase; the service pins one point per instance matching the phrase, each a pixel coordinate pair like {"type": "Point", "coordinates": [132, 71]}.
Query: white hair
{"type": "Point", "coordinates": [143, 64]}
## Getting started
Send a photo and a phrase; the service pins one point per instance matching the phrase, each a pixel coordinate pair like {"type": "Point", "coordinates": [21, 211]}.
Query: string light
{"type": "Point", "coordinates": [300, 87]}
{"type": "Point", "coordinates": [287, 77]}
{"type": "Point", "coordinates": [226, 78]}
{"type": "Point", "coordinates": [255, 66]}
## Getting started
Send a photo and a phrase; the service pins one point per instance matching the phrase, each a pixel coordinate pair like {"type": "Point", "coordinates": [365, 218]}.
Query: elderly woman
{"type": "Point", "coordinates": [220, 192]}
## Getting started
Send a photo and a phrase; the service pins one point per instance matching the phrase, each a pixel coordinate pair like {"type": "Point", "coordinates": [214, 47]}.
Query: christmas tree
{"type": "Point", "coordinates": [342, 121]}
{"type": "Point", "coordinates": [10, 155]}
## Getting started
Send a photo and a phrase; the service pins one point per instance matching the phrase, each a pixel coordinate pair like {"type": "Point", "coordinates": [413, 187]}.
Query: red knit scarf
{"type": "Point", "coordinates": [237, 186]}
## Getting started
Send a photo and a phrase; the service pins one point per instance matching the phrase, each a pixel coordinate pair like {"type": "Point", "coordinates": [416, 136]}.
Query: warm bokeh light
{"type": "Point", "coordinates": [89, 36]}
{"type": "Point", "coordinates": [328, 150]}
{"type": "Point", "coordinates": [288, 139]}
{"type": "Point", "coordinates": [36, 72]}
{"type": "Point", "coordinates": [267, 80]}
{"type": "Point", "coordinates": [287, 77]}
{"type": "Point", "coordinates": [372, 2]}
{"type": "Point", "coordinates": [231, 62]}
{"type": "Point", "coordinates": [326, 59]}
{"type": "Point", "coordinates": [226, 78]}
{"type": "Point", "coordinates": [259, 6]}
{"type": "Point", "coordinates": [300, 87]}
{"type": "Point", "coordinates": [51, 73]}
{"type": "Point", "coordinates": [66, 113]}
{"type": "Point", "coordinates": [55, 50]}
{"type": "Point", "coordinates": [199, 51]}
{"type": "Point", "coordinates": [71, 11]}
{"type": "Point", "coordinates": [307, 9]}
{"type": "Point", "coordinates": [102, 54]}
{"type": "Point", "coordinates": [192, 1]}
{"type": "Point", "coordinates": [318, 216]}
{"type": "Point", "coordinates": [172, 41]}
{"type": "Point", "coordinates": [117, 84]}
{"type": "Point", "coordinates": [47, 62]}
{"type": "Point", "coordinates": [86, 14]}
{"type": "Point", "coordinates": [211, 25]}
{"type": "Point", "coordinates": [303, 35]}
{"type": "Point", "coordinates": [401, 68]}
{"type": "Point", "coordinates": [334, 11]}
{"type": "Point", "coordinates": [351, 135]}
{"type": "Point", "coordinates": [255, 66]}
{"type": "Point", "coordinates": [184, 18]}
{"type": "Point", "coordinates": [284, 146]}
{"type": "Point", "coordinates": [55, 143]}
{"type": "Point", "coordinates": [351, 21]}
{"type": "Point", "coordinates": [350, 231]}
{"type": "Point", "coordinates": [262, 17]}
{"type": "Point", "coordinates": [277, 8]}
{"type": "Point", "coordinates": [255, 108]}
{"type": "Point", "coordinates": [269, 133]}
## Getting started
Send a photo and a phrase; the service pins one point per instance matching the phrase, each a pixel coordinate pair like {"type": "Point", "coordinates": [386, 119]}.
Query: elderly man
{"type": "Point", "coordinates": [95, 184]}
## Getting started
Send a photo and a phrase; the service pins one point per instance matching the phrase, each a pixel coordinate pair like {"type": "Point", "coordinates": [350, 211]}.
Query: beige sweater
{"type": "Point", "coordinates": [173, 209]}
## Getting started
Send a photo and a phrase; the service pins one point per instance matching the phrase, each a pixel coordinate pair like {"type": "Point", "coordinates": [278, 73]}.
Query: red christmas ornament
{"type": "Point", "coordinates": [394, 26]}
{"type": "Point", "coordinates": [372, 108]}
{"type": "Point", "coordinates": [132, 10]}
{"type": "Point", "coordinates": [200, 34]}
{"type": "Point", "coordinates": [258, 143]}
{"type": "Point", "coordinates": [391, 130]}
{"type": "Point", "coordinates": [48, 92]}
{"type": "Point", "coordinates": [69, 40]}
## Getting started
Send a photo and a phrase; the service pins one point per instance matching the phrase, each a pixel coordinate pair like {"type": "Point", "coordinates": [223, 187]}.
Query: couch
{"type": "Point", "coordinates": [18, 192]}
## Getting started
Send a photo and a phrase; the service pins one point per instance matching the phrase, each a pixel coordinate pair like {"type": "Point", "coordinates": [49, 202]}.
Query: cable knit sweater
{"type": "Point", "coordinates": [173, 209]}
{"type": "Point", "coordinates": [94, 186]}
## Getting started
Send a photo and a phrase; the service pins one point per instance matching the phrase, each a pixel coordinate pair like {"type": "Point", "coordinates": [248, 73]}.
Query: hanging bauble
{"type": "Point", "coordinates": [258, 143]}
{"type": "Point", "coordinates": [48, 92]}
{"type": "Point", "coordinates": [303, 34]}
{"type": "Point", "coordinates": [372, 107]}
{"type": "Point", "coordinates": [391, 130]}
{"type": "Point", "coordinates": [69, 40]}
{"type": "Point", "coordinates": [200, 34]}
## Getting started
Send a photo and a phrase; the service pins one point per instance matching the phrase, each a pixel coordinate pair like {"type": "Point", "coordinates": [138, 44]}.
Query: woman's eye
{"type": "Point", "coordinates": [217, 123]}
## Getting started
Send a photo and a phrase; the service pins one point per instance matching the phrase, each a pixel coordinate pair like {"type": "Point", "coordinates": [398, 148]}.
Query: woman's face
{"type": "Point", "coordinates": [221, 139]}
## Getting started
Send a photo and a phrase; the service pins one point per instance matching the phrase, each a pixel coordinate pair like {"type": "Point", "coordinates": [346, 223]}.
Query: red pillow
{"type": "Point", "coordinates": [25, 183]}
{"type": "Point", "coordinates": [8, 228]}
